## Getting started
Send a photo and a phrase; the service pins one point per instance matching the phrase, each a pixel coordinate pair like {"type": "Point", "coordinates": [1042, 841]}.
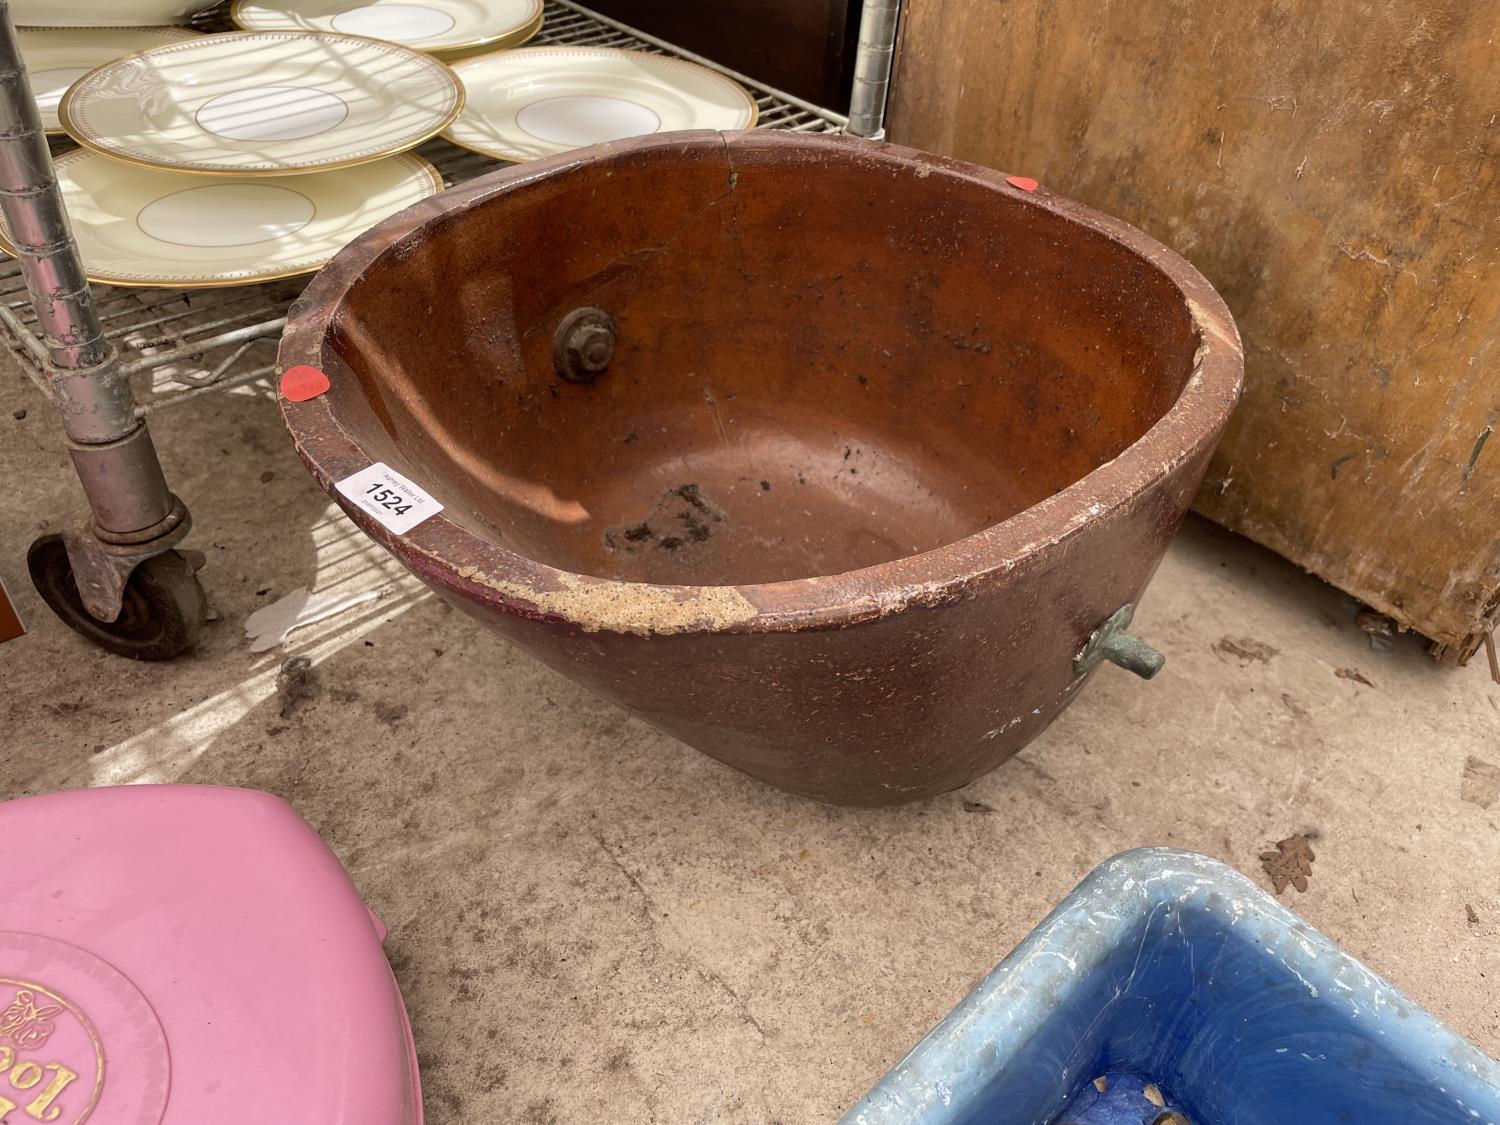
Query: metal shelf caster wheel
{"type": "Point", "coordinates": [161, 614]}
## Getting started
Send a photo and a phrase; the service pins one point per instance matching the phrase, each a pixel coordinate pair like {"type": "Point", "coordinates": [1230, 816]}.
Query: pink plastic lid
{"type": "Point", "coordinates": [186, 955]}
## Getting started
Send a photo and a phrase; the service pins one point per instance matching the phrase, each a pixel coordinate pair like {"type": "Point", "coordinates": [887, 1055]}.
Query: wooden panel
{"type": "Point", "coordinates": [1335, 171]}
{"type": "Point", "coordinates": [805, 47]}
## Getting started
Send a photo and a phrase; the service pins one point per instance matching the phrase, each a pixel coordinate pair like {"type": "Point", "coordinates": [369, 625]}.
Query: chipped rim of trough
{"type": "Point", "coordinates": [449, 555]}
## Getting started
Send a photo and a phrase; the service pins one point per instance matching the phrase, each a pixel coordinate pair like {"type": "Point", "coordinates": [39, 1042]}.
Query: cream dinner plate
{"type": "Point", "coordinates": [427, 25]}
{"type": "Point", "coordinates": [262, 103]}
{"type": "Point", "coordinates": [56, 57]}
{"type": "Point", "coordinates": [141, 226]}
{"type": "Point", "coordinates": [537, 101]}
{"type": "Point", "coordinates": [103, 13]}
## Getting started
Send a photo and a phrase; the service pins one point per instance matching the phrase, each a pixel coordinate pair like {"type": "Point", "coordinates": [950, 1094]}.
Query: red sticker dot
{"type": "Point", "coordinates": [1025, 183]}
{"type": "Point", "coordinates": [300, 383]}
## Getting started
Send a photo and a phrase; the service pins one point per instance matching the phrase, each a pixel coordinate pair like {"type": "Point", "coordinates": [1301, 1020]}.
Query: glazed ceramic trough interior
{"type": "Point", "coordinates": [851, 387]}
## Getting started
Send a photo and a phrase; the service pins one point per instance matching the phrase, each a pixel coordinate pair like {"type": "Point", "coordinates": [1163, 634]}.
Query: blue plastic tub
{"type": "Point", "coordinates": [1169, 968]}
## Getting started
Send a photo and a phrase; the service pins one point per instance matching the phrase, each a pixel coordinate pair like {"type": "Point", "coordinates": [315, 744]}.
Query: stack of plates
{"type": "Point", "coordinates": [252, 155]}
{"type": "Point", "coordinates": [141, 226]}
{"type": "Point", "coordinates": [262, 103]}
{"type": "Point", "coordinates": [444, 27]}
{"type": "Point", "coordinates": [543, 100]}
{"type": "Point", "coordinates": [224, 159]}
{"type": "Point", "coordinates": [56, 57]}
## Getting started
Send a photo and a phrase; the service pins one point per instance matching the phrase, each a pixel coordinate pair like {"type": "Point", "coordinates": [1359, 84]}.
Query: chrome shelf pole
{"type": "Point", "coordinates": [872, 68]}
{"type": "Point", "coordinates": [134, 515]}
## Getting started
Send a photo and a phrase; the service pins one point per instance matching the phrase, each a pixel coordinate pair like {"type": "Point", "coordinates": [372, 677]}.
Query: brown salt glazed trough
{"type": "Point", "coordinates": [840, 462]}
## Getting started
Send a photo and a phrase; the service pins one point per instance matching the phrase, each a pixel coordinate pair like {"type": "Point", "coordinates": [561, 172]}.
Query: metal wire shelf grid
{"type": "Point", "coordinates": [179, 344]}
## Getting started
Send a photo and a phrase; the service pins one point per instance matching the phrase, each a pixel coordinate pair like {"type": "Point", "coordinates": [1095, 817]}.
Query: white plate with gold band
{"type": "Point", "coordinates": [537, 101]}
{"type": "Point", "coordinates": [262, 103]}
{"type": "Point", "coordinates": [142, 226]}
{"type": "Point", "coordinates": [56, 57]}
{"type": "Point", "coordinates": [426, 25]}
{"type": "Point", "coordinates": [103, 13]}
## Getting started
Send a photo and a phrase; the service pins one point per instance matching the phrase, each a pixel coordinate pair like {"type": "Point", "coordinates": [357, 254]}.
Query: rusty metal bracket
{"type": "Point", "coordinates": [1112, 642]}
{"type": "Point", "coordinates": [102, 562]}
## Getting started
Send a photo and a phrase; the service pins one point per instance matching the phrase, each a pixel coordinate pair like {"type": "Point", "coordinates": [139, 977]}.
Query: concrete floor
{"type": "Point", "coordinates": [591, 921]}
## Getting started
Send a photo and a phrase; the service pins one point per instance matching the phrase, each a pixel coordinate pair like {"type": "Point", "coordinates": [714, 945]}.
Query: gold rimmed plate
{"type": "Point", "coordinates": [536, 101]}
{"type": "Point", "coordinates": [525, 35]}
{"type": "Point", "coordinates": [56, 57]}
{"type": "Point", "coordinates": [440, 26]}
{"type": "Point", "coordinates": [265, 103]}
{"type": "Point", "coordinates": [142, 226]}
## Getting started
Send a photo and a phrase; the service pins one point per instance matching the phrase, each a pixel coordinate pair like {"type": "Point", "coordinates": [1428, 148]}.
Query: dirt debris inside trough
{"type": "Point", "coordinates": [590, 920]}
{"type": "Point", "coordinates": [683, 520]}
